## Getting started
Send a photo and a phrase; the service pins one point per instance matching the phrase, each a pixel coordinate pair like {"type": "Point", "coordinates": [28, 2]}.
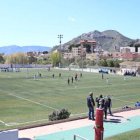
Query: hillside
{"type": "Point", "coordinates": [14, 48]}
{"type": "Point", "coordinates": [107, 40]}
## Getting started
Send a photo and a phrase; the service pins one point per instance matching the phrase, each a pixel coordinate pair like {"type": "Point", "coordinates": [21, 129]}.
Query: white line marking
{"type": "Point", "coordinates": [12, 124]}
{"type": "Point", "coordinates": [15, 123]}
{"type": "Point", "coordinates": [3, 123]}
{"type": "Point", "coordinates": [33, 101]}
{"type": "Point", "coordinates": [34, 121]}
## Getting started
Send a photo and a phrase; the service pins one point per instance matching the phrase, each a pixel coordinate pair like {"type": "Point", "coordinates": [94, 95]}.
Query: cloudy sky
{"type": "Point", "coordinates": [39, 22]}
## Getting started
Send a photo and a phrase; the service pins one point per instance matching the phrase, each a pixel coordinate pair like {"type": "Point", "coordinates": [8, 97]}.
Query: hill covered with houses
{"type": "Point", "coordinates": [109, 40]}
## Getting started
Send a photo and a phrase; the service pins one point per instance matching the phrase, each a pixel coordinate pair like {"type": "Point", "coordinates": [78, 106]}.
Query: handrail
{"type": "Point", "coordinates": [79, 137]}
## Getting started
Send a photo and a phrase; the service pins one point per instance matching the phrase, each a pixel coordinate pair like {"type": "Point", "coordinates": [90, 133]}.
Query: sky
{"type": "Point", "coordinates": [39, 22]}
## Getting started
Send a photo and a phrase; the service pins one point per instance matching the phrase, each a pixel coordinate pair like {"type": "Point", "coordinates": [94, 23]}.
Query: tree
{"type": "Point", "coordinates": [81, 62]}
{"type": "Point", "coordinates": [110, 63]}
{"type": "Point", "coordinates": [2, 60]}
{"type": "Point", "coordinates": [103, 62]}
{"type": "Point", "coordinates": [17, 58]}
{"type": "Point", "coordinates": [43, 60]}
{"type": "Point", "coordinates": [55, 57]}
{"type": "Point", "coordinates": [32, 59]}
{"type": "Point", "coordinates": [116, 64]}
{"type": "Point", "coordinates": [91, 62]}
{"type": "Point", "coordinates": [66, 62]}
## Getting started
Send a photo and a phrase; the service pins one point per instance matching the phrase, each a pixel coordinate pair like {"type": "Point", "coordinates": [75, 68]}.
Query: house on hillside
{"type": "Point", "coordinates": [79, 51]}
{"type": "Point", "coordinates": [129, 49]}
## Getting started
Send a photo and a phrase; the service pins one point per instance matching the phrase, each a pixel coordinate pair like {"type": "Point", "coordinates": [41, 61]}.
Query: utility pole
{"type": "Point", "coordinates": [60, 36]}
{"type": "Point", "coordinates": [82, 56]}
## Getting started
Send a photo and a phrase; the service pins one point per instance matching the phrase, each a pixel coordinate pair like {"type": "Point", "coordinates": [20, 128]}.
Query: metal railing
{"type": "Point", "coordinates": [77, 136]}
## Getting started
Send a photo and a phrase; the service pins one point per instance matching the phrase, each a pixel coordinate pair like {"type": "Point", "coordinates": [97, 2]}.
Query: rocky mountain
{"type": "Point", "coordinates": [14, 48]}
{"type": "Point", "coordinates": [109, 40]}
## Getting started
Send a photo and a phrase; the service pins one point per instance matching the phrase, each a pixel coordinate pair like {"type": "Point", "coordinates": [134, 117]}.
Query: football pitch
{"type": "Point", "coordinates": [26, 100]}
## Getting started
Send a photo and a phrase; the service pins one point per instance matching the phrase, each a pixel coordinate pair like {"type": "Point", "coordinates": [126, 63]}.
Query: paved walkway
{"type": "Point", "coordinates": [28, 134]}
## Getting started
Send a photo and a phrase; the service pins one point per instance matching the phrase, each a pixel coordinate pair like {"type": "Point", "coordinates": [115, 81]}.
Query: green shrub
{"type": "Point", "coordinates": [59, 115]}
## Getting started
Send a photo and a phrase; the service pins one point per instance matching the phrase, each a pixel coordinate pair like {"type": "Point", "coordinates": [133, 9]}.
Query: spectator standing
{"type": "Point", "coordinates": [101, 102]}
{"type": "Point", "coordinates": [72, 79]}
{"type": "Point", "coordinates": [98, 101]}
{"type": "Point", "coordinates": [68, 81]}
{"type": "Point", "coordinates": [81, 75]}
{"type": "Point", "coordinates": [76, 76]}
{"type": "Point", "coordinates": [109, 105]}
{"type": "Point", "coordinates": [102, 76]}
{"type": "Point", "coordinates": [105, 107]}
{"type": "Point", "coordinates": [90, 104]}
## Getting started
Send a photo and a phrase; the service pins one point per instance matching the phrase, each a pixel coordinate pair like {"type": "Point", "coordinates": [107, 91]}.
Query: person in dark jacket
{"type": "Point", "coordinates": [105, 107]}
{"type": "Point", "coordinates": [90, 104]}
{"type": "Point", "coordinates": [76, 77]}
{"type": "Point", "coordinates": [59, 74]}
{"type": "Point", "coordinates": [68, 81]}
{"type": "Point", "coordinates": [109, 105]}
{"type": "Point", "coordinates": [102, 76]}
{"type": "Point", "coordinates": [101, 102]}
{"type": "Point", "coordinates": [98, 101]}
{"type": "Point", "coordinates": [71, 79]}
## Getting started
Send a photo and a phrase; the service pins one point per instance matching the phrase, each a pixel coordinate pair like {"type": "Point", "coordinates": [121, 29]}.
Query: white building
{"type": "Point", "coordinates": [128, 49]}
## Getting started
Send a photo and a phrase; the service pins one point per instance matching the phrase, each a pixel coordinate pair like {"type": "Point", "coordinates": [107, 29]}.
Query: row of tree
{"type": "Point", "coordinates": [56, 59]}
{"type": "Point", "coordinates": [102, 62]}
{"type": "Point", "coordinates": [22, 58]}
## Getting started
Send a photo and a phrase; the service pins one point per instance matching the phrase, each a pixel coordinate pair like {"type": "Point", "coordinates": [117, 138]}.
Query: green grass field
{"type": "Point", "coordinates": [25, 101]}
{"type": "Point", "coordinates": [131, 135]}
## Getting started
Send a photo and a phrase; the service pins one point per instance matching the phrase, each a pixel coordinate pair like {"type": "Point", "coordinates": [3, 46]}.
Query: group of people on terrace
{"type": "Point", "coordinates": [104, 103]}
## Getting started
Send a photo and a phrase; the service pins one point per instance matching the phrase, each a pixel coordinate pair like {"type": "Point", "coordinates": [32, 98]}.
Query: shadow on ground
{"type": "Point", "coordinates": [113, 120]}
{"type": "Point", "coordinates": [116, 119]}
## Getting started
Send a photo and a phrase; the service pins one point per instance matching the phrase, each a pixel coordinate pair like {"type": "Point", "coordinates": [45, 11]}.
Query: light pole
{"type": "Point", "coordinates": [60, 36]}
{"type": "Point", "coordinates": [82, 57]}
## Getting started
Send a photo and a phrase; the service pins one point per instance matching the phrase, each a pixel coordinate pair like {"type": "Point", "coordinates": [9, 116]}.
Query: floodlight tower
{"type": "Point", "coordinates": [60, 36]}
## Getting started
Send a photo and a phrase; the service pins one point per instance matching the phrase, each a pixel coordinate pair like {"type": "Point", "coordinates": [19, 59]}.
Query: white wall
{"type": "Point", "coordinates": [138, 50]}
{"type": "Point", "coordinates": [132, 49]}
